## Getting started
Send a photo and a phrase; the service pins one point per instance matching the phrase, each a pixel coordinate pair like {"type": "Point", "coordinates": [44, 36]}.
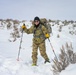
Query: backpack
{"type": "Point", "coordinates": [46, 24]}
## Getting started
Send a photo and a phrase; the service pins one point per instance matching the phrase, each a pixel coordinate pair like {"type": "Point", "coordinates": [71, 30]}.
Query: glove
{"type": "Point", "coordinates": [47, 35]}
{"type": "Point", "coordinates": [23, 27]}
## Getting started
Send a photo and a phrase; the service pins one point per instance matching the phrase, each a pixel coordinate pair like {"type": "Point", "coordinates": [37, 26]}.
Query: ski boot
{"type": "Point", "coordinates": [47, 61]}
{"type": "Point", "coordinates": [34, 65]}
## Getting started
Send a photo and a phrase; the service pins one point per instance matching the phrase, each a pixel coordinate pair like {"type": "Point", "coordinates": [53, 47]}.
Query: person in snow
{"type": "Point", "coordinates": [40, 33]}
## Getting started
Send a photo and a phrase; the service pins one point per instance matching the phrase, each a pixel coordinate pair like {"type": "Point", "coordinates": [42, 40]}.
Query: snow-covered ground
{"type": "Point", "coordinates": [9, 51]}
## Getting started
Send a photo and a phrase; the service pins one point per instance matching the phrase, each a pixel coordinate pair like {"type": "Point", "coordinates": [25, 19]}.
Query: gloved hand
{"type": "Point", "coordinates": [47, 35]}
{"type": "Point", "coordinates": [23, 27]}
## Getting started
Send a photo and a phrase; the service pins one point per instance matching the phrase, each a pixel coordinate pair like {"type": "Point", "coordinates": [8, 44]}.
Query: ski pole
{"type": "Point", "coordinates": [52, 49]}
{"type": "Point", "coordinates": [20, 45]}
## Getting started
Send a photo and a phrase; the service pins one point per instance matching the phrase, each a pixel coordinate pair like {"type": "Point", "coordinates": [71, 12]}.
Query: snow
{"type": "Point", "coordinates": [70, 70]}
{"type": "Point", "coordinates": [9, 51]}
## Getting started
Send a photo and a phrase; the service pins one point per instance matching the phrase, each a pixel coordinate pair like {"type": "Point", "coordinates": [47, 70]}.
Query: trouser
{"type": "Point", "coordinates": [42, 49]}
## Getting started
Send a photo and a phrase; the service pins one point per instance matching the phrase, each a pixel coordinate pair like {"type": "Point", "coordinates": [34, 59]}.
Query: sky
{"type": "Point", "coordinates": [28, 9]}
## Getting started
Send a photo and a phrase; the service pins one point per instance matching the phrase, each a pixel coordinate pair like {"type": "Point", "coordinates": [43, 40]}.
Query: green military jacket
{"type": "Point", "coordinates": [38, 33]}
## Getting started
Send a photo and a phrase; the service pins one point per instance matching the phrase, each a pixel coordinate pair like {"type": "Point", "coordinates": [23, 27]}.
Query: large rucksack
{"type": "Point", "coordinates": [45, 23]}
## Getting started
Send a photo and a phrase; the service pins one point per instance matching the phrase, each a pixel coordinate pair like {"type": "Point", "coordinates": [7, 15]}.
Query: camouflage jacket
{"type": "Point", "coordinates": [38, 33]}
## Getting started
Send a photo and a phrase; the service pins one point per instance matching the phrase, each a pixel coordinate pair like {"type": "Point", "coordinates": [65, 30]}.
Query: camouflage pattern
{"type": "Point", "coordinates": [38, 33]}
{"type": "Point", "coordinates": [38, 41]}
{"type": "Point", "coordinates": [46, 24]}
{"type": "Point", "coordinates": [42, 50]}
{"type": "Point", "coordinates": [43, 20]}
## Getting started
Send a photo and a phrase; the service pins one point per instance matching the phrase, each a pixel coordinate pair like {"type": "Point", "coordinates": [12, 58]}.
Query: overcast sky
{"type": "Point", "coordinates": [28, 9]}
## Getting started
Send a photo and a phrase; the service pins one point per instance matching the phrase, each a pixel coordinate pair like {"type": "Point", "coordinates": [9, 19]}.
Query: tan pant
{"type": "Point", "coordinates": [42, 49]}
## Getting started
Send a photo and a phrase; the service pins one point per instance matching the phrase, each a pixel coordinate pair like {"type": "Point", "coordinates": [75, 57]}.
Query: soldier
{"type": "Point", "coordinates": [40, 33]}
